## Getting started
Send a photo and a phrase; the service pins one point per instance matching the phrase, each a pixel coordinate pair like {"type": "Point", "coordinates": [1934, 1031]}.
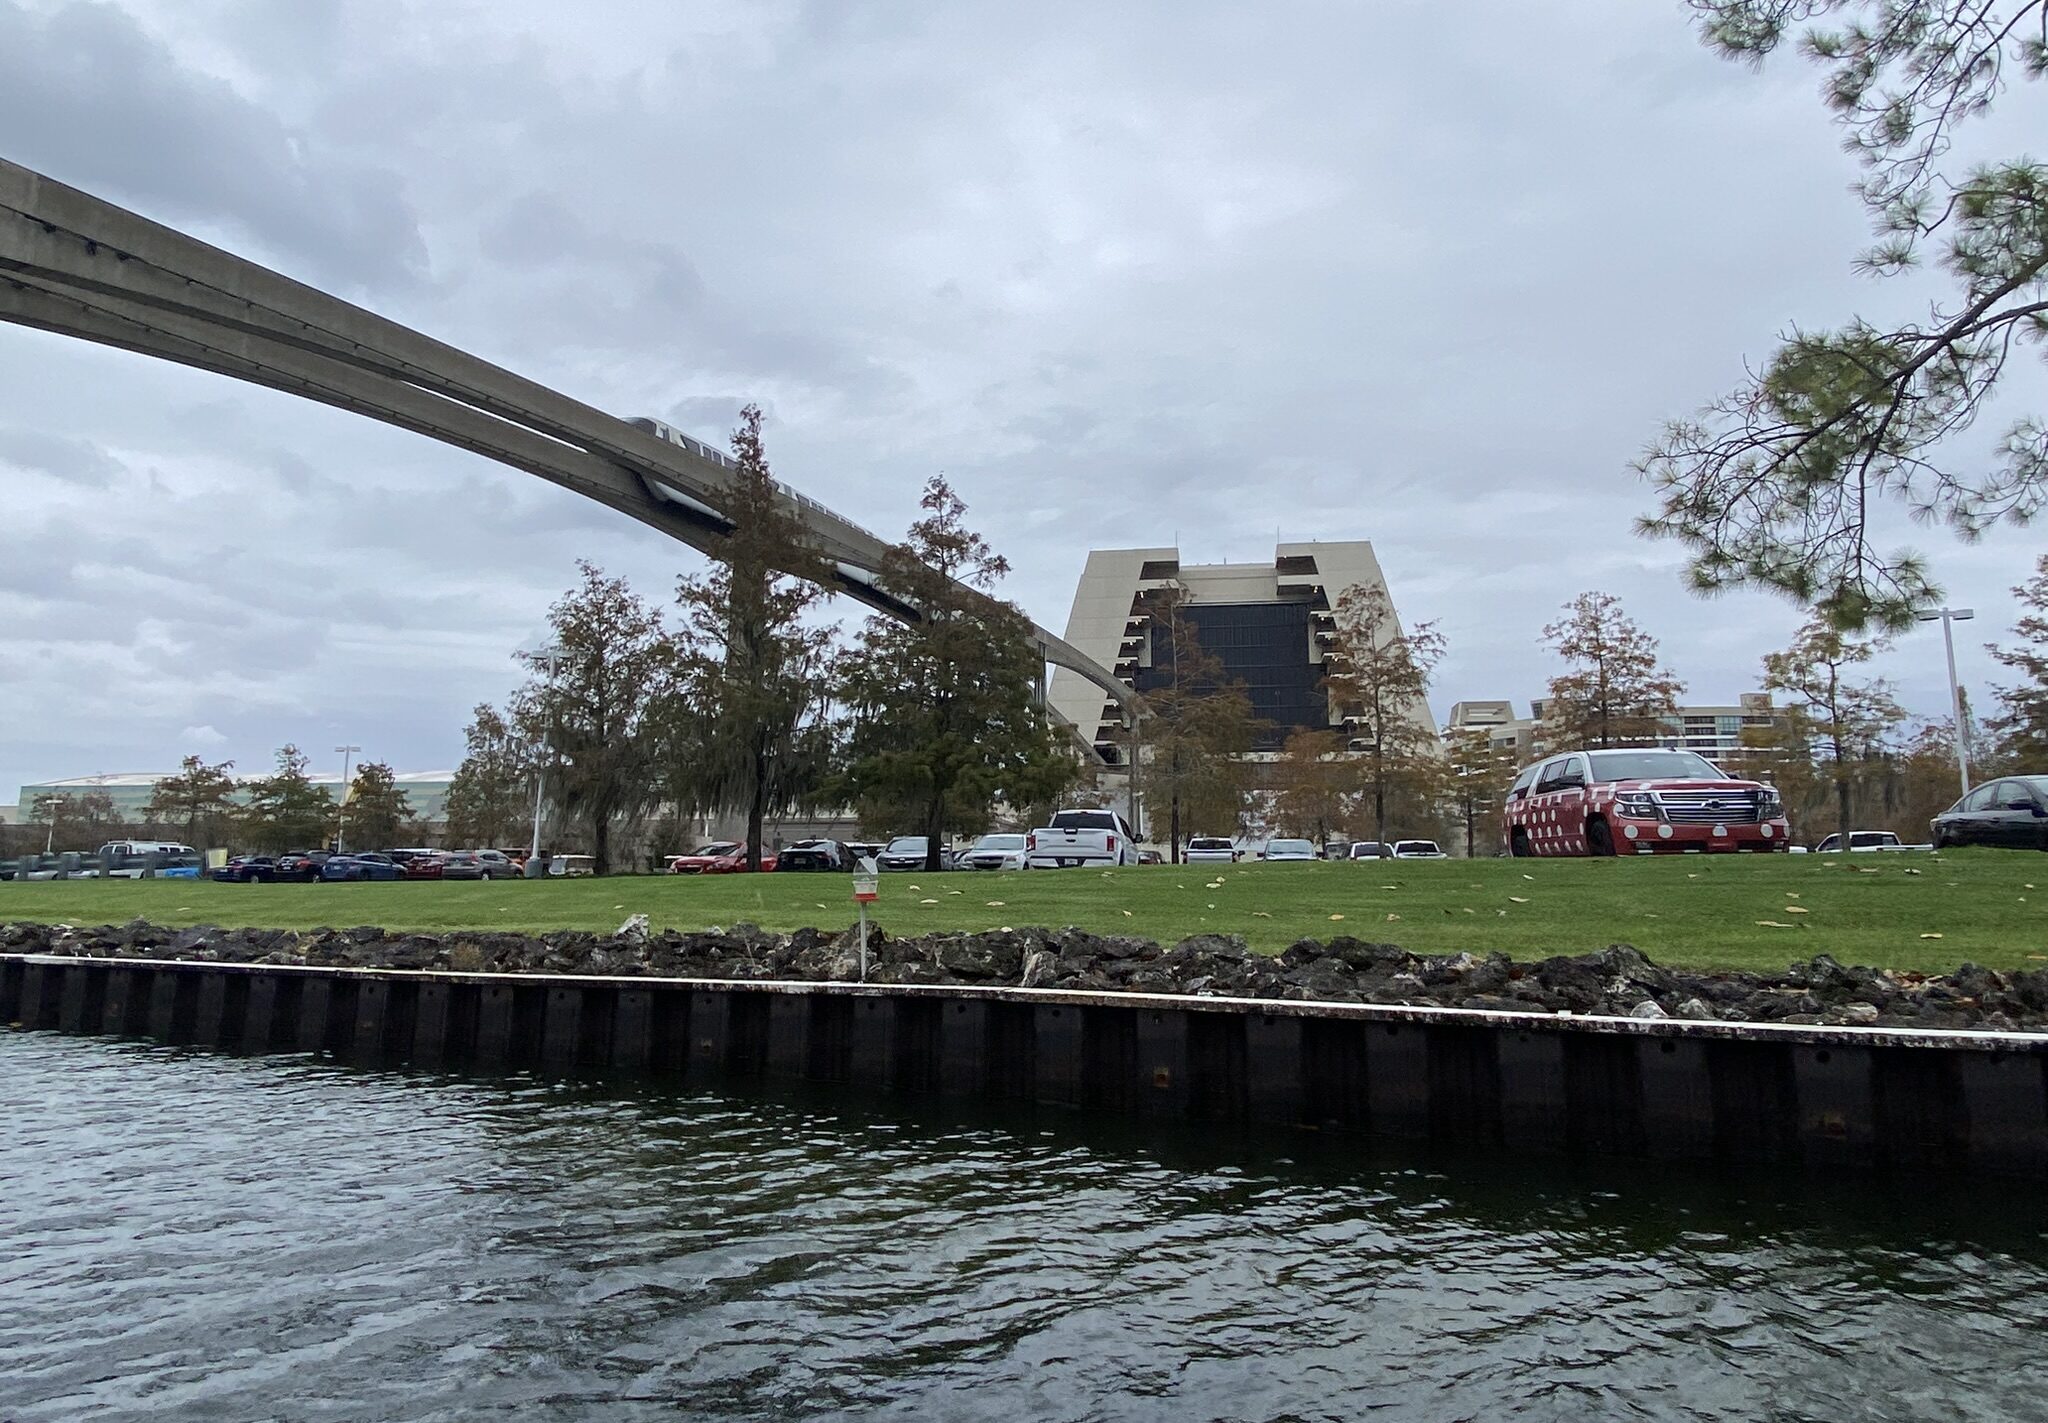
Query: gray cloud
{"type": "Point", "coordinates": [1122, 273]}
{"type": "Point", "coordinates": [92, 98]}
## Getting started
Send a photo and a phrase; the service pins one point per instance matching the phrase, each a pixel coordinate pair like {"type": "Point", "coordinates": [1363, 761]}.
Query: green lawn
{"type": "Point", "coordinates": [1986, 906]}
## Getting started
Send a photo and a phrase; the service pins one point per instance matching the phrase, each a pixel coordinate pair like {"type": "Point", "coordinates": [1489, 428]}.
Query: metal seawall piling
{"type": "Point", "coordinates": [1832, 1097]}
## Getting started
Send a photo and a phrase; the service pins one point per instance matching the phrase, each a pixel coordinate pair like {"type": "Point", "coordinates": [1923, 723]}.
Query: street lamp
{"type": "Point", "coordinates": [547, 658]}
{"type": "Point", "coordinates": [341, 818]}
{"type": "Point", "coordinates": [1949, 617]}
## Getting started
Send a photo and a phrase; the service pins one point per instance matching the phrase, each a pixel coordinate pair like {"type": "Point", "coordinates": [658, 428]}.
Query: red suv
{"type": "Point", "coordinates": [1639, 802]}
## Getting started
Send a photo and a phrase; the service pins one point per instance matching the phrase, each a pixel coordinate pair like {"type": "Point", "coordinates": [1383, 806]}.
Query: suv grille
{"type": "Point", "coordinates": [1709, 807]}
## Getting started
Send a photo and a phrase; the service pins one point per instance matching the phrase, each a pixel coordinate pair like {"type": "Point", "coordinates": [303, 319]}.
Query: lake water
{"type": "Point", "coordinates": [194, 1236]}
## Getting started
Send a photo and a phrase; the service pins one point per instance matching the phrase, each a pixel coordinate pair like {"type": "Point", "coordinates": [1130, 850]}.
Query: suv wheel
{"type": "Point", "coordinates": [1518, 844]}
{"type": "Point", "coordinates": [1599, 837]}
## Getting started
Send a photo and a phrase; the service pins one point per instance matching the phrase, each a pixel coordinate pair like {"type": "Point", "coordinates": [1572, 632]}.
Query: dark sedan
{"type": "Point", "coordinates": [300, 866]}
{"type": "Point", "coordinates": [247, 869]}
{"type": "Point", "coordinates": [811, 855]}
{"type": "Point", "coordinates": [367, 866]}
{"type": "Point", "coordinates": [2011, 813]}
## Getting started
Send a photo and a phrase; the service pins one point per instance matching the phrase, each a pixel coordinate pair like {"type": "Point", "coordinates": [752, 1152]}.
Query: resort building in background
{"type": "Point", "coordinates": [130, 791]}
{"type": "Point", "coordinates": [1271, 625]}
{"type": "Point", "coordinates": [1715, 732]}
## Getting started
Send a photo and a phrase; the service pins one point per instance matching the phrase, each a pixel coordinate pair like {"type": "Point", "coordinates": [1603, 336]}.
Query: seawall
{"type": "Point", "coordinates": [1828, 1097]}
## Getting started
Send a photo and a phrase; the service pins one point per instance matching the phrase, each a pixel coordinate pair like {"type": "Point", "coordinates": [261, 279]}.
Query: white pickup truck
{"type": "Point", "coordinates": [1081, 837]}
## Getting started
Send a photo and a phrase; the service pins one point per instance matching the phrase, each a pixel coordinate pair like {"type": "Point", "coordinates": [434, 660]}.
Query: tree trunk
{"type": "Point", "coordinates": [756, 807]}
{"type": "Point", "coordinates": [1842, 794]}
{"type": "Point", "coordinates": [934, 827]}
{"type": "Point", "coordinates": [601, 843]}
{"type": "Point", "coordinates": [1174, 830]}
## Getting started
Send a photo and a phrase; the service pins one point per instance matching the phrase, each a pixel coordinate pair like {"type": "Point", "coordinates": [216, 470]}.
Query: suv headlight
{"type": "Point", "coordinates": [1768, 806]}
{"type": "Point", "coordinates": [1637, 805]}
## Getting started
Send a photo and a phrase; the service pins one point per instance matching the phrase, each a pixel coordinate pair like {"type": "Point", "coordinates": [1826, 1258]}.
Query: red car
{"type": "Point", "coordinates": [1639, 802]}
{"type": "Point", "coordinates": [695, 862]}
{"type": "Point", "coordinates": [736, 863]}
{"type": "Point", "coordinates": [427, 866]}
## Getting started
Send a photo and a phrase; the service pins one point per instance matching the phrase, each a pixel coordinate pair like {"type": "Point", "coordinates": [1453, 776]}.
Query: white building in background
{"type": "Point", "coordinates": [1270, 624]}
{"type": "Point", "coordinates": [130, 791]}
{"type": "Point", "coordinates": [1713, 731]}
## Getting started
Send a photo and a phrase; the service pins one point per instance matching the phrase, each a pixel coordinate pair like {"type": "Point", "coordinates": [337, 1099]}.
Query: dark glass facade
{"type": "Point", "coordinates": [1266, 647]}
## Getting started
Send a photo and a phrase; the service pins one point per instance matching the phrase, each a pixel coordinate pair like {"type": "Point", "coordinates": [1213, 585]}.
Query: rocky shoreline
{"type": "Point", "coordinates": [1617, 980]}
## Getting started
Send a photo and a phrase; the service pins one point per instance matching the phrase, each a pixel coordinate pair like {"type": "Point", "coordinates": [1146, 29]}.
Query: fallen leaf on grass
{"type": "Point", "coordinates": [1260, 914]}
{"type": "Point", "coordinates": [1213, 884]}
{"type": "Point", "coordinates": [927, 901]}
{"type": "Point", "coordinates": [913, 886]}
{"type": "Point", "coordinates": [1790, 895]}
{"type": "Point", "coordinates": [1516, 899]}
{"type": "Point", "coordinates": [1335, 917]}
{"type": "Point", "coordinates": [1528, 876]}
{"type": "Point", "coordinates": [1771, 924]}
{"type": "Point", "coordinates": [1909, 872]}
{"type": "Point", "coordinates": [819, 905]}
{"type": "Point", "coordinates": [1930, 936]}
{"type": "Point", "coordinates": [1127, 914]}
{"type": "Point", "coordinates": [995, 904]}
{"type": "Point", "coordinates": [1471, 911]}
{"type": "Point", "coordinates": [1212, 906]}
{"type": "Point", "coordinates": [1392, 917]}
{"type": "Point", "coordinates": [618, 906]}
{"type": "Point", "coordinates": [1862, 871]}
{"type": "Point", "coordinates": [1795, 909]}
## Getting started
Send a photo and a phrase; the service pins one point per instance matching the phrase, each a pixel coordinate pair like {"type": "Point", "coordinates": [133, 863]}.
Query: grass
{"type": "Point", "coordinates": [1754, 912]}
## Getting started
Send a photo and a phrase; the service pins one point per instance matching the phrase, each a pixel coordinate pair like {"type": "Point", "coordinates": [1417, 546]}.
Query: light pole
{"type": "Point", "coordinates": [341, 819]}
{"type": "Point", "coordinates": [546, 658]}
{"type": "Point", "coordinates": [1949, 617]}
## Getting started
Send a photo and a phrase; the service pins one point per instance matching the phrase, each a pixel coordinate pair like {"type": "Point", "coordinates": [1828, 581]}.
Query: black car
{"type": "Point", "coordinates": [2011, 813]}
{"type": "Point", "coordinates": [905, 852]}
{"type": "Point", "coordinates": [812, 855]}
{"type": "Point", "coordinates": [247, 869]}
{"type": "Point", "coordinates": [300, 866]}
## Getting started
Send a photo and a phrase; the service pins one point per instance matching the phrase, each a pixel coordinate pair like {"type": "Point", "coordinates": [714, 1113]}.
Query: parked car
{"type": "Point", "coordinates": [2012, 813]}
{"type": "Point", "coordinates": [247, 869]}
{"type": "Point", "coordinates": [129, 849]}
{"type": "Point", "coordinates": [812, 855]}
{"type": "Point", "coordinates": [461, 865]}
{"type": "Point", "coordinates": [1418, 850]}
{"type": "Point", "coordinates": [864, 849]}
{"type": "Point", "coordinates": [905, 852]}
{"type": "Point", "coordinates": [694, 862]}
{"type": "Point", "coordinates": [1369, 850]}
{"type": "Point", "coordinates": [1210, 850]}
{"type": "Point", "coordinates": [181, 867]}
{"type": "Point", "coordinates": [368, 865]}
{"type": "Point", "coordinates": [732, 863]}
{"type": "Point", "coordinates": [301, 866]}
{"type": "Point", "coordinates": [994, 852]}
{"type": "Point", "coordinates": [1147, 855]}
{"type": "Point", "coordinates": [1866, 841]}
{"type": "Point", "coordinates": [427, 866]}
{"type": "Point", "coordinates": [566, 866]}
{"type": "Point", "coordinates": [1076, 838]}
{"type": "Point", "coordinates": [496, 864]}
{"type": "Point", "coordinates": [1639, 802]}
{"type": "Point", "coordinates": [1290, 849]}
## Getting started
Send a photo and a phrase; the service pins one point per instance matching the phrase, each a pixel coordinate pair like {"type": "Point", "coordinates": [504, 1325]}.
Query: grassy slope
{"type": "Point", "coordinates": [1680, 910]}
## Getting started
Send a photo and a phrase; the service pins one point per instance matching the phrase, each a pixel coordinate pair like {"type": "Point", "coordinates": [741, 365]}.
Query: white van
{"type": "Point", "coordinates": [572, 865]}
{"type": "Point", "coordinates": [130, 859]}
{"type": "Point", "coordinates": [124, 848]}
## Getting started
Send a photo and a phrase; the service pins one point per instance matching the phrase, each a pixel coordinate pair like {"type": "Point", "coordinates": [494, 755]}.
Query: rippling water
{"type": "Point", "coordinates": [185, 1235]}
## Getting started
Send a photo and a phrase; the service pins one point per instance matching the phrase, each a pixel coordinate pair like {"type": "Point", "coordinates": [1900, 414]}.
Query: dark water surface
{"type": "Point", "coordinates": [189, 1236]}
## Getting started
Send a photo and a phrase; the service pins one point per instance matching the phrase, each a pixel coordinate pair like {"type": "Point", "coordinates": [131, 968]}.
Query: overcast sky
{"type": "Point", "coordinates": [1128, 275]}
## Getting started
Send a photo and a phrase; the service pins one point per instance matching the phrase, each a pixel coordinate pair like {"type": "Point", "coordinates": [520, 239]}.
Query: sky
{"type": "Point", "coordinates": [1207, 274]}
